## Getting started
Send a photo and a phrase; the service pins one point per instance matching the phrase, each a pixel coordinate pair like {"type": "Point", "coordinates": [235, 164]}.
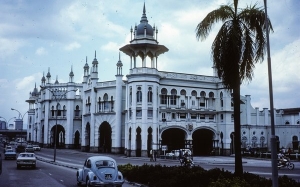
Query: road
{"type": "Point", "coordinates": [63, 172]}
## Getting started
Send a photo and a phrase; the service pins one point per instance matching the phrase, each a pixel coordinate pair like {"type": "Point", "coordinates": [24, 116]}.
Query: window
{"type": "Point", "coordinates": [182, 116]}
{"type": "Point", "coordinates": [150, 113]}
{"type": "Point", "coordinates": [58, 110]}
{"type": "Point", "coordinates": [202, 99]}
{"type": "Point", "coordinates": [139, 95]}
{"type": "Point", "coordinates": [202, 116]}
{"type": "Point", "coordinates": [163, 99]}
{"type": "Point", "coordinates": [130, 96]}
{"type": "Point", "coordinates": [173, 97]}
{"type": "Point", "coordinates": [173, 115]}
{"type": "Point", "coordinates": [139, 113]}
{"type": "Point", "coordinates": [105, 98]}
{"type": "Point", "coordinates": [77, 111]}
{"type": "Point", "coordinates": [211, 117]}
{"type": "Point", "coordinates": [64, 111]}
{"type": "Point", "coordinates": [52, 111]}
{"type": "Point", "coordinates": [163, 116]}
{"type": "Point", "coordinates": [193, 116]}
{"type": "Point", "coordinates": [221, 99]}
{"type": "Point", "coordinates": [193, 103]}
{"type": "Point", "coordinates": [149, 95]}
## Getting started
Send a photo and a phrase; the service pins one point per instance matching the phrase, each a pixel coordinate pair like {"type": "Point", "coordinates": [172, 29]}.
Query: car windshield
{"type": "Point", "coordinates": [104, 163]}
{"type": "Point", "coordinates": [26, 155]}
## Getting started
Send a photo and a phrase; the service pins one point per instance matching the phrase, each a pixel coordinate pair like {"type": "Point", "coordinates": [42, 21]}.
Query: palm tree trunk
{"type": "Point", "coordinates": [237, 129]}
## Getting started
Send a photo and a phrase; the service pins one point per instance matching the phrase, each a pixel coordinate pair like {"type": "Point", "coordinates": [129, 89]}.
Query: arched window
{"type": "Point", "coordinates": [194, 93]}
{"type": "Point", "coordinates": [105, 98]}
{"type": "Point", "coordinates": [173, 97]}
{"type": "Point", "coordinates": [163, 97]}
{"type": "Point", "coordinates": [52, 111]}
{"type": "Point", "coordinates": [221, 99]}
{"type": "Point", "coordinates": [287, 122]}
{"type": "Point", "coordinates": [150, 95]}
{"type": "Point", "coordinates": [58, 110]}
{"type": "Point", "coordinates": [77, 111]}
{"type": "Point", "coordinates": [139, 95]}
{"type": "Point", "coordinates": [64, 110]}
{"type": "Point", "coordinates": [202, 99]}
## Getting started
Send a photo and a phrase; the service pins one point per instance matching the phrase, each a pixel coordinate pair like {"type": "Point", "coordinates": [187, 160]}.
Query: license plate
{"type": "Point", "coordinates": [108, 176]}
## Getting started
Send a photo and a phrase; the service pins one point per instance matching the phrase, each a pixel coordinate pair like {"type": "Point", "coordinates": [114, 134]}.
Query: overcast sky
{"type": "Point", "coordinates": [36, 35]}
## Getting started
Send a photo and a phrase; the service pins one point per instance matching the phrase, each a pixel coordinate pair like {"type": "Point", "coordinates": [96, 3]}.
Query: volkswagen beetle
{"type": "Point", "coordinates": [100, 171]}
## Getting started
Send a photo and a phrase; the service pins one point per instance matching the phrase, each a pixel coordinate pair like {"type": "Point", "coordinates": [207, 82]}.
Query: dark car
{"type": "Point", "coordinates": [20, 149]}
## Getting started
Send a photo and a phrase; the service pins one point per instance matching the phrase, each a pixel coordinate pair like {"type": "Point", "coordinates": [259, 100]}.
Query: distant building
{"type": "Point", "coordinates": [149, 109]}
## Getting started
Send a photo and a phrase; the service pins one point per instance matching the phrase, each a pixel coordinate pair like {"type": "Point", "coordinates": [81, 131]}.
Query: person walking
{"type": "Point", "coordinates": [155, 155]}
{"type": "Point", "coordinates": [151, 155]}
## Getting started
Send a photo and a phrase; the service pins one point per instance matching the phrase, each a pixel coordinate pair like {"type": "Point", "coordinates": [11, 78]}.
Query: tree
{"type": "Point", "coordinates": [238, 46]}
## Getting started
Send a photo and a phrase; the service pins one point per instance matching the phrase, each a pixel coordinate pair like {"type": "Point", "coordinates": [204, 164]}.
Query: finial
{"type": "Point", "coordinates": [95, 53]}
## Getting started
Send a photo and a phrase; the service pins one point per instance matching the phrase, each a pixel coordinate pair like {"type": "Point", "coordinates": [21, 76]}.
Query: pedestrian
{"type": "Point", "coordinates": [151, 155]}
{"type": "Point", "coordinates": [289, 151]}
{"type": "Point", "coordinates": [155, 155]}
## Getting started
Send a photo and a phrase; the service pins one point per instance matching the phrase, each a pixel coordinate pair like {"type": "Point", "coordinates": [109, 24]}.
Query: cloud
{"type": "Point", "coordinates": [72, 46]}
{"type": "Point", "coordinates": [41, 51]}
{"type": "Point", "coordinates": [110, 46]}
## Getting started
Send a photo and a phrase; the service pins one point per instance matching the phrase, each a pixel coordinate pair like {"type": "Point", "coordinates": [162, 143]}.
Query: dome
{"type": "Point", "coordinates": [140, 29]}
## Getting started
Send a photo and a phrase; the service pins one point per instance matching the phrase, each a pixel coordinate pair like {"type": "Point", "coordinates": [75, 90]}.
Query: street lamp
{"type": "Point", "coordinates": [57, 98]}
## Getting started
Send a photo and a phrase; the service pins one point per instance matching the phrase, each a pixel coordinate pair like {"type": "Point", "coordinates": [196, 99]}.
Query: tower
{"type": "Point", "coordinates": [143, 82]}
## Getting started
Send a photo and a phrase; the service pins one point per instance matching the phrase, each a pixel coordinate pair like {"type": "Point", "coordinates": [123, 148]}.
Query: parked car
{"type": "Point", "coordinates": [29, 149]}
{"type": "Point", "coordinates": [36, 148]}
{"type": "Point", "coordinates": [99, 171]}
{"type": "Point", "coordinates": [10, 154]}
{"type": "Point", "coordinates": [26, 159]}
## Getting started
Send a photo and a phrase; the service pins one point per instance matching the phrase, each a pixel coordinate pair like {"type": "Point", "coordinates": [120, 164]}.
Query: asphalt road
{"type": "Point", "coordinates": [63, 171]}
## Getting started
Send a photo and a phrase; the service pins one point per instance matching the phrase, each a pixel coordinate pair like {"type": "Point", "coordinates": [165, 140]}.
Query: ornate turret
{"type": "Point", "coordinates": [71, 75]}
{"type": "Point", "coordinates": [144, 44]}
{"type": "Point", "coordinates": [48, 76]}
{"type": "Point", "coordinates": [119, 66]}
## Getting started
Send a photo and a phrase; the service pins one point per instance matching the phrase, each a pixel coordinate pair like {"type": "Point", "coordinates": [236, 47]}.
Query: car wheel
{"type": "Point", "coordinates": [87, 183]}
{"type": "Point", "coordinates": [78, 183]}
{"type": "Point", "coordinates": [34, 166]}
{"type": "Point", "coordinates": [18, 166]}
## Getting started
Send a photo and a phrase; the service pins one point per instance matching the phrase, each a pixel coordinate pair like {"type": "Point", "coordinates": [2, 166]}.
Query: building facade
{"type": "Point", "coordinates": [149, 109]}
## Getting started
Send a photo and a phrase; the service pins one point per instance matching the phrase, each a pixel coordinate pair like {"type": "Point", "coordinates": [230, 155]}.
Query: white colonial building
{"type": "Point", "coordinates": [150, 109]}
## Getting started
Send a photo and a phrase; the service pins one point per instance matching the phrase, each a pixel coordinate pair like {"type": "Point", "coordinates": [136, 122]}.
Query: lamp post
{"type": "Point", "coordinates": [57, 98]}
{"type": "Point", "coordinates": [273, 137]}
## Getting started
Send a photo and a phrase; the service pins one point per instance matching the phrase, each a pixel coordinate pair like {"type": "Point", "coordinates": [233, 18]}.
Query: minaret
{"type": "Point", "coordinates": [48, 76]}
{"type": "Point", "coordinates": [118, 106]}
{"type": "Point", "coordinates": [86, 71]}
{"type": "Point", "coordinates": [43, 80]}
{"type": "Point", "coordinates": [94, 73]}
{"type": "Point", "coordinates": [71, 75]}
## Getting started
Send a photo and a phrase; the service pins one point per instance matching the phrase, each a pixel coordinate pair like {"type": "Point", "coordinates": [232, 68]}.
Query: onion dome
{"type": "Point", "coordinates": [140, 29]}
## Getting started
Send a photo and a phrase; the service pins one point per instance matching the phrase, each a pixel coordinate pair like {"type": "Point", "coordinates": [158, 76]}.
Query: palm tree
{"type": "Point", "coordinates": [238, 46]}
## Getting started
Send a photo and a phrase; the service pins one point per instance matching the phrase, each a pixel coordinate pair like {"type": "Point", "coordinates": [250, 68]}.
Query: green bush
{"type": "Point", "coordinates": [179, 176]}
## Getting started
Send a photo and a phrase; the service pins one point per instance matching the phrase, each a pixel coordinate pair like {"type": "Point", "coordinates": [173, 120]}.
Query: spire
{"type": "Point", "coordinates": [56, 82]}
{"type": "Point", "coordinates": [95, 61]}
{"type": "Point", "coordinates": [71, 73]}
{"type": "Point", "coordinates": [144, 17]}
{"type": "Point", "coordinates": [48, 74]}
{"type": "Point", "coordinates": [43, 78]}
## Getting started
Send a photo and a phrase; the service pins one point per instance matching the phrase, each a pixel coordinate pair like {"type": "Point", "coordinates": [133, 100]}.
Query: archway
{"type": "Point", "coordinates": [87, 137]}
{"type": "Point", "coordinates": [149, 141]}
{"type": "Point", "coordinates": [202, 142]}
{"type": "Point", "coordinates": [174, 138]}
{"type": "Point", "coordinates": [138, 139]}
{"type": "Point", "coordinates": [105, 137]}
{"type": "Point", "coordinates": [58, 132]}
{"type": "Point", "coordinates": [77, 140]}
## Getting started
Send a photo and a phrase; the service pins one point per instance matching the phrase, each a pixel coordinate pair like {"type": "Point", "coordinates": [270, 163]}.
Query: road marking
{"type": "Point", "coordinates": [50, 174]}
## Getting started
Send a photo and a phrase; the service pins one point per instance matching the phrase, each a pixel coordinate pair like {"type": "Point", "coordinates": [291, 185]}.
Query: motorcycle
{"type": "Point", "coordinates": [186, 161]}
{"type": "Point", "coordinates": [285, 162]}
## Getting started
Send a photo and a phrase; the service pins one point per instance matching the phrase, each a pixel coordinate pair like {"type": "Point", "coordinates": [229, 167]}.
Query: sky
{"type": "Point", "coordinates": [38, 36]}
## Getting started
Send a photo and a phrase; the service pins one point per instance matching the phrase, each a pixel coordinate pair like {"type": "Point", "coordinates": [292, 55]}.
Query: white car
{"type": "Point", "coordinates": [26, 159]}
{"type": "Point", "coordinates": [36, 148]}
{"type": "Point", "coordinates": [100, 171]}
